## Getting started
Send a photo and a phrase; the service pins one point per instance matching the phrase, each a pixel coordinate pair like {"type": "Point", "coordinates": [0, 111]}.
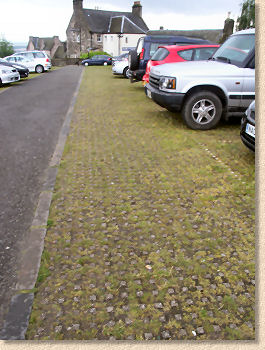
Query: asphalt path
{"type": "Point", "coordinates": [31, 116]}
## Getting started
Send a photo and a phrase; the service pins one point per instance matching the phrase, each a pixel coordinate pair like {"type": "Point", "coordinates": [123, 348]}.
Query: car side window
{"type": "Point", "coordinates": [38, 55]}
{"type": "Point", "coordinates": [186, 54]}
{"type": "Point", "coordinates": [204, 53]}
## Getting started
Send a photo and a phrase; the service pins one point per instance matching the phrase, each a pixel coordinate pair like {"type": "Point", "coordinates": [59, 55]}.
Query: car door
{"type": "Point", "coordinates": [100, 60]}
{"type": "Point", "coordinates": [248, 91]}
{"type": "Point", "coordinates": [94, 60]}
{"type": "Point", "coordinates": [30, 64]}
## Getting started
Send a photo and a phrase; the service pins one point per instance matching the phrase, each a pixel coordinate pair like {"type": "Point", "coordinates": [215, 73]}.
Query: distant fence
{"type": "Point", "coordinates": [66, 61]}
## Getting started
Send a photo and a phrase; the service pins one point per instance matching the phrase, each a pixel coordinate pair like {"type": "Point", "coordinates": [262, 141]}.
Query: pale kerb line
{"type": "Point", "coordinates": [233, 173]}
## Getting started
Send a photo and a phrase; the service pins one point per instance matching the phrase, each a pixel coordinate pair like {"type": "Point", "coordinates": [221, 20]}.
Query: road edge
{"type": "Point", "coordinates": [17, 319]}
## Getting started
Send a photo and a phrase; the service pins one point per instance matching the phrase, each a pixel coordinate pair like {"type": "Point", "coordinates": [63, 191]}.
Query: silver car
{"type": "Point", "coordinates": [120, 65]}
{"type": "Point", "coordinates": [8, 75]}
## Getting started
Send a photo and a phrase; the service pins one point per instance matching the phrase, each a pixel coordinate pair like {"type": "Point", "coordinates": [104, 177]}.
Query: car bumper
{"type": "Point", "coordinates": [23, 73]}
{"type": "Point", "coordinates": [247, 139]}
{"type": "Point", "coordinates": [10, 78]}
{"type": "Point", "coordinates": [116, 70]}
{"type": "Point", "coordinates": [169, 100]}
{"type": "Point", "coordinates": [47, 66]}
{"type": "Point", "coordinates": [136, 75]}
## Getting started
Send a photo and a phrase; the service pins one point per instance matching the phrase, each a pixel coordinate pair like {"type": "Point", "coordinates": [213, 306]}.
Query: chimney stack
{"type": "Point", "coordinates": [137, 9]}
{"type": "Point", "coordinates": [78, 5]}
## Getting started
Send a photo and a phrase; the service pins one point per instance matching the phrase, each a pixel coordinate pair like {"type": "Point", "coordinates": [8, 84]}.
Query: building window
{"type": "Point", "coordinates": [126, 40]}
{"type": "Point", "coordinates": [106, 37]}
{"type": "Point", "coordinates": [99, 38]}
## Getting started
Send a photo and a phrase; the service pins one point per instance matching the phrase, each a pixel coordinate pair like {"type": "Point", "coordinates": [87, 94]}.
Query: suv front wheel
{"type": "Point", "coordinates": [202, 110]}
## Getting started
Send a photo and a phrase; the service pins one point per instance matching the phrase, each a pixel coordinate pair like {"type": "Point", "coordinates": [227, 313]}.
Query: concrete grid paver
{"type": "Point", "coordinates": [149, 237]}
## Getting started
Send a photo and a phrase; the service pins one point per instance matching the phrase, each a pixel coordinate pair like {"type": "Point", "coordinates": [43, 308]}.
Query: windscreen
{"type": "Point", "coordinates": [235, 48]}
{"type": "Point", "coordinates": [160, 54]}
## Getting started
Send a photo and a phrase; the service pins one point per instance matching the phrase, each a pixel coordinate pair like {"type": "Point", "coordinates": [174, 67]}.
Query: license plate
{"type": "Point", "coordinates": [250, 129]}
{"type": "Point", "coordinates": [149, 94]}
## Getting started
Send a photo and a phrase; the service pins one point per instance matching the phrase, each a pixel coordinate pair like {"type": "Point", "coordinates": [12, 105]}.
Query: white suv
{"type": "Point", "coordinates": [204, 91]}
{"type": "Point", "coordinates": [42, 61]}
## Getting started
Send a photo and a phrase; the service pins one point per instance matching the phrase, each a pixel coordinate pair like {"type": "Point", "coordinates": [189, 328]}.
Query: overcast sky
{"type": "Point", "coordinates": [43, 18]}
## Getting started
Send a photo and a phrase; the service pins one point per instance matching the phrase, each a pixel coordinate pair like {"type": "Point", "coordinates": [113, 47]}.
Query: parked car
{"type": "Point", "coordinates": [175, 53]}
{"type": "Point", "coordinates": [120, 65]}
{"type": "Point", "coordinates": [146, 47]}
{"type": "Point", "coordinates": [42, 61]}
{"type": "Point", "coordinates": [30, 64]}
{"type": "Point", "coordinates": [247, 132]}
{"type": "Point", "coordinates": [204, 91]}
{"type": "Point", "coordinates": [22, 70]}
{"type": "Point", "coordinates": [97, 60]}
{"type": "Point", "coordinates": [8, 75]}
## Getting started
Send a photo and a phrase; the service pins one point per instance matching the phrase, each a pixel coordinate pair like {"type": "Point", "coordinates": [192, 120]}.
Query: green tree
{"type": "Point", "coordinates": [6, 48]}
{"type": "Point", "coordinates": [247, 18]}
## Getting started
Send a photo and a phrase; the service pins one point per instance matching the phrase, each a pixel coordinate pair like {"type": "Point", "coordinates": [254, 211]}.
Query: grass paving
{"type": "Point", "coordinates": [151, 227]}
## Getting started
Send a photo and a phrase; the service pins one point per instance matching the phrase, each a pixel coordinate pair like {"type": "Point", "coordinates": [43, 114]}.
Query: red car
{"type": "Point", "coordinates": [177, 53]}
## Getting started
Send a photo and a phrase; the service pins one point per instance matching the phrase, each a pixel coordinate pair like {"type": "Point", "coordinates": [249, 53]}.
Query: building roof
{"type": "Point", "coordinates": [100, 21]}
{"type": "Point", "coordinates": [48, 43]}
{"type": "Point", "coordinates": [213, 35]}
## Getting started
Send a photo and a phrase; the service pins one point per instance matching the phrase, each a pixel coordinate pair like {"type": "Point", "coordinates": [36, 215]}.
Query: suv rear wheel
{"type": "Point", "coordinates": [39, 69]}
{"type": "Point", "coordinates": [133, 60]}
{"type": "Point", "coordinates": [202, 110]}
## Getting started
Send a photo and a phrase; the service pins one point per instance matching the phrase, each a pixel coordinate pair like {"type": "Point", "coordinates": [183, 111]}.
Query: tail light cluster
{"type": "Point", "coordinates": [142, 54]}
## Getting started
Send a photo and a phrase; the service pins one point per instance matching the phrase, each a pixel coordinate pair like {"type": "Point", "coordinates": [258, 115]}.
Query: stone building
{"type": "Point", "coordinates": [111, 31]}
{"type": "Point", "coordinates": [52, 46]}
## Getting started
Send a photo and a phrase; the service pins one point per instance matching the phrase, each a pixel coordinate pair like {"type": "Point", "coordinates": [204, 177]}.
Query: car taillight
{"type": "Point", "coordinates": [142, 54]}
{"type": "Point", "coordinates": [47, 60]}
{"type": "Point", "coordinates": [109, 59]}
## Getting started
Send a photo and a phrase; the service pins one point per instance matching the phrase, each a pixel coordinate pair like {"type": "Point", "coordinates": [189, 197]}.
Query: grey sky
{"type": "Point", "coordinates": [51, 17]}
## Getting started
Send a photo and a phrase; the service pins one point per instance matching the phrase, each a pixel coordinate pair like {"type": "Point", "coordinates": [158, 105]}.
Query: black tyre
{"type": "Point", "coordinates": [1, 82]}
{"type": "Point", "coordinates": [133, 60]}
{"type": "Point", "coordinates": [39, 69]}
{"type": "Point", "coordinates": [202, 110]}
{"type": "Point", "coordinates": [126, 72]}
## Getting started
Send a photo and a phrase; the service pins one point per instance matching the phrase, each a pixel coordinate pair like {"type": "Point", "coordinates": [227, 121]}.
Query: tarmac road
{"type": "Point", "coordinates": [31, 116]}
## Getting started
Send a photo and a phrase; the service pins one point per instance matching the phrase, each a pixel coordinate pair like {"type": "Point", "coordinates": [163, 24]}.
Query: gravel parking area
{"type": "Point", "coordinates": [151, 227]}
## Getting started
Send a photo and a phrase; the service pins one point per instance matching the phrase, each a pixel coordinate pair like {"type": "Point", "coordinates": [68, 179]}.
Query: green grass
{"type": "Point", "coordinates": [145, 221]}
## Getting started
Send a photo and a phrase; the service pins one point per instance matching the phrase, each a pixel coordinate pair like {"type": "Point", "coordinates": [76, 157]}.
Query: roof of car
{"type": "Point", "coordinates": [246, 31]}
{"type": "Point", "coordinates": [186, 47]}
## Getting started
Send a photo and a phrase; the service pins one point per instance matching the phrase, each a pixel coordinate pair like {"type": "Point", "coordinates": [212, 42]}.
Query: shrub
{"type": "Point", "coordinates": [93, 53]}
{"type": "Point", "coordinates": [83, 55]}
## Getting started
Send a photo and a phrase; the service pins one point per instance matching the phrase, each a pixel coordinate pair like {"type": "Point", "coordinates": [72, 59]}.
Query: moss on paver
{"type": "Point", "coordinates": [152, 233]}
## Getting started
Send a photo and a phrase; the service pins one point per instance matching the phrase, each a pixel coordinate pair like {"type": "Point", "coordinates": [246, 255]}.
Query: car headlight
{"type": "Point", "coordinates": [167, 83]}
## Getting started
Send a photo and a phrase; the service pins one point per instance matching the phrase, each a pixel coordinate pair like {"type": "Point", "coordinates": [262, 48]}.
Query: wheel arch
{"type": "Point", "coordinates": [207, 87]}
{"type": "Point", "coordinates": [125, 69]}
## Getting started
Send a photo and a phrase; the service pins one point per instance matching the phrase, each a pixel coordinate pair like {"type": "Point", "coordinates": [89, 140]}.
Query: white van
{"type": "Point", "coordinates": [42, 61]}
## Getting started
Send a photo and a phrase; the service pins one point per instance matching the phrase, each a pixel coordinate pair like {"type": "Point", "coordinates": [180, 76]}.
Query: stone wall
{"type": "Point", "coordinates": [60, 62]}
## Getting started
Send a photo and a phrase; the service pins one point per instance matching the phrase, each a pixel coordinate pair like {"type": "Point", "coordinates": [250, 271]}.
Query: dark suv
{"type": "Point", "coordinates": [147, 46]}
